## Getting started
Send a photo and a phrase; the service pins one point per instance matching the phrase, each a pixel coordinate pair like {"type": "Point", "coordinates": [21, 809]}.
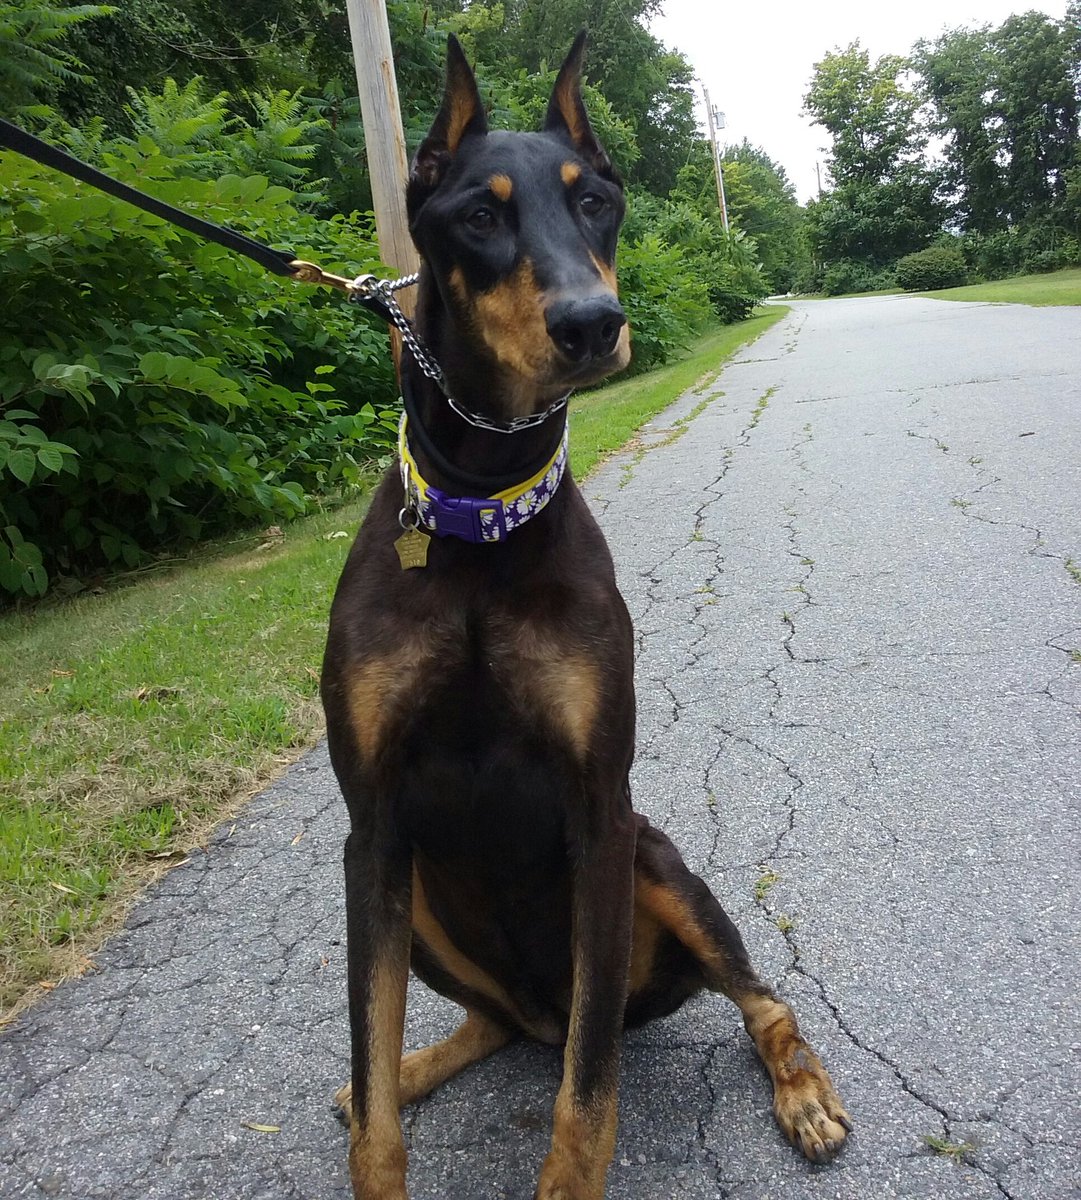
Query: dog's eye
{"type": "Point", "coordinates": [591, 204]}
{"type": "Point", "coordinates": [481, 220]}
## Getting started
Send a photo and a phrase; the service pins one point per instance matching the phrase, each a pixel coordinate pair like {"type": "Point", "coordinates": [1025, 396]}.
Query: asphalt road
{"type": "Point", "coordinates": [850, 575]}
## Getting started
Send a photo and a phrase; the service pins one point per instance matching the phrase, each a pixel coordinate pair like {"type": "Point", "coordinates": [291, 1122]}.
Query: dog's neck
{"type": "Point", "coordinates": [453, 454]}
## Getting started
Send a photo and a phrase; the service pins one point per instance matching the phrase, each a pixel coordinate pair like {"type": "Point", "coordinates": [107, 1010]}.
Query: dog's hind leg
{"type": "Point", "coordinates": [805, 1102]}
{"type": "Point", "coordinates": [424, 1070]}
{"type": "Point", "coordinates": [476, 1038]}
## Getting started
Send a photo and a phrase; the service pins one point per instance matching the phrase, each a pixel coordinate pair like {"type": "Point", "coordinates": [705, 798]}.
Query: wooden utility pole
{"type": "Point", "coordinates": [718, 170]}
{"type": "Point", "coordinates": [383, 136]}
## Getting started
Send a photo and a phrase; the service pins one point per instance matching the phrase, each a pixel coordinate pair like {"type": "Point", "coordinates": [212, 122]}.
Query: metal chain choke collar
{"type": "Point", "coordinates": [367, 286]}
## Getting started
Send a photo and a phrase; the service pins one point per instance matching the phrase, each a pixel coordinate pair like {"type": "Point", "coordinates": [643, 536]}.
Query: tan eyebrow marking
{"type": "Point", "coordinates": [569, 173]}
{"type": "Point", "coordinates": [501, 186]}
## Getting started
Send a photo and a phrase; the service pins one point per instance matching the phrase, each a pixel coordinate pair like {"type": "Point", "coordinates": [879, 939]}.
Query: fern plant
{"type": "Point", "coordinates": [32, 63]}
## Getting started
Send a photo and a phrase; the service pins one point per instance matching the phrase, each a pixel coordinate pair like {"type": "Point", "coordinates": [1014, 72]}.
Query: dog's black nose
{"type": "Point", "coordinates": [585, 329]}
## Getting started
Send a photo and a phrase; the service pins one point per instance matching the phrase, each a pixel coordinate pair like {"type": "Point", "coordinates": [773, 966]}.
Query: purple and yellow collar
{"type": "Point", "coordinates": [473, 518]}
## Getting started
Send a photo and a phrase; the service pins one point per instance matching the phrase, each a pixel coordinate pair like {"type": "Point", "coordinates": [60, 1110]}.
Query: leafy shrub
{"type": "Point", "coordinates": [726, 266]}
{"type": "Point", "coordinates": [930, 269]}
{"type": "Point", "coordinates": [732, 306]}
{"type": "Point", "coordinates": [155, 388]}
{"type": "Point", "coordinates": [665, 302]}
{"type": "Point", "coordinates": [1032, 247]}
{"type": "Point", "coordinates": [847, 275]}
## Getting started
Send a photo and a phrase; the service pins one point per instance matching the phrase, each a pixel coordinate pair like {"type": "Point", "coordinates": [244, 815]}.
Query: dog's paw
{"type": "Point", "coordinates": [809, 1111]}
{"type": "Point", "coordinates": [559, 1183]}
{"type": "Point", "coordinates": [343, 1103]}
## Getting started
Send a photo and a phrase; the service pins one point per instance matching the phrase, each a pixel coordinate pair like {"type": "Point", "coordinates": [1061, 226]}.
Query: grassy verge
{"type": "Point", "coordinates": [603, 420]}
{"type": "Point", "coordinates": [136, 719]}
{"type": "Point", "coordinates": [1056, 287]}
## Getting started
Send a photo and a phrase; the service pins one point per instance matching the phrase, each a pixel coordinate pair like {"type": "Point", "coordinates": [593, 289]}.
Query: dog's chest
{"type": "Point", "coordinates": [462, 675]}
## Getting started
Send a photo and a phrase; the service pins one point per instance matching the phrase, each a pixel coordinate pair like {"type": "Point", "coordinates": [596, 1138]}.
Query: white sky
{"type": "Point", "coordinates": [757, 59]}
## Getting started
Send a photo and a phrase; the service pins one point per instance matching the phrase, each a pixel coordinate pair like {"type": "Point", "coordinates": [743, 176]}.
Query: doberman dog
{"type": "Point", "coordinates": [478, 683]}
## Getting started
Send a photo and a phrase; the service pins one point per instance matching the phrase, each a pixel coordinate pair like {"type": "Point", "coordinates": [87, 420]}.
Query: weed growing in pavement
{"type": "Point", "coordinates": [1075, 656]}
{"type": "Point", "coordinates": [1074, 570]}
{"type": "Point", "coordinates": [957, 1151]}
{"type": "Point", "coordinates": [957, 502]}
{"type": "Point", "coordinates": [761, 406]}
{"type": "Point", "coordinates": [765, 882]}
{"type": "Point", "coordinates": [784, 922]}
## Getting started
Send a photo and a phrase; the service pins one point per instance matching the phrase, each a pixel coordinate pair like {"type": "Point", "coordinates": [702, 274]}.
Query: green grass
{"type": "Point", "coordinates": [136, 719]}
{"type": "Point", "coordinates": [1057, 287]}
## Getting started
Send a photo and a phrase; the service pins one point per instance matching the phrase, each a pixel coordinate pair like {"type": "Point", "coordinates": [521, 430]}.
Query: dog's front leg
{"type": "Point", "coordinates": [378, 897]}
{"type": "Point", "coordinates": [584, 1131]}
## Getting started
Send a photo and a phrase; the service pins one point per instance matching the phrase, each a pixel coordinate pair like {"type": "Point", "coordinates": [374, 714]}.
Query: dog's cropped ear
{"type": "Point", "coordinates": [461, 116]}
{"type": "Point", "coordinates": [567, 113]}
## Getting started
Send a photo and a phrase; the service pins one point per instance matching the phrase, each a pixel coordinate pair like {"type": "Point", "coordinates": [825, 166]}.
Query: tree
{"type": "Point", "coordinates": [762, 202]}
{"type": "Point", "coordinates": [1006, 100]}
{"type": "Point", "coordinates": [885, 203]}
{"type": "Point", "coordinates": [869, 114]}
{"type": "Point", "coordinates": [647, 85]}
{"type": "Point", "coordinates": [875, 224]}
{"type": "Point", "coordinates": [1037, 104]}
{"type": "Point", "coordinates": [956, 72]}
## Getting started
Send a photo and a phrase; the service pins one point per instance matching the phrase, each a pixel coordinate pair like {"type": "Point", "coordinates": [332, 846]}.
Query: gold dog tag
{"type": "Point", "coordinates": [412, 549]}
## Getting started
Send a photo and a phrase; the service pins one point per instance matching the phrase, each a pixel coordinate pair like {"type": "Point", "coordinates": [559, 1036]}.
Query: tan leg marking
{"type": "Point", "coordinates": [674, 914]}
{"type": "Point", "coordinates": [647, 932]}
{"type": "Point", "coordinates": [476, 1038]}
{"type": "Point", "coordinates": [377, 1158]}
{"type": "Point", "coordinates": [583, 1143]}
{"type": "Point", "coordinates": [434, 936]}
{"type": "Point", "coordinates": [455, 963]}
{"type": "Point", "coordinates": [424, 1070]}
{"type": "Point", "coordinates": [805, 1102]}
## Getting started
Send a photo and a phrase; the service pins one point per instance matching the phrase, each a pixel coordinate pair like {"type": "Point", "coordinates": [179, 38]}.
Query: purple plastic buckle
{"type": "Point", "coordinates": [460, 517]}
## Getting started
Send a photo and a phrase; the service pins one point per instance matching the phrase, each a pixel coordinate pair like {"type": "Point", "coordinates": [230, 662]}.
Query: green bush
{"type": "Point", "coordinates": [847, 275]}
{"type": "Point", "coordinates": [1021, 249]}
{"type": "Point", "coordinates": [930, 269]}
{"type": "Point", "coordinates": [732, 306]}
{"type": "Point", "coordinates": [665, 302]}
{"type": "Point", "coordinates": [155, 388]}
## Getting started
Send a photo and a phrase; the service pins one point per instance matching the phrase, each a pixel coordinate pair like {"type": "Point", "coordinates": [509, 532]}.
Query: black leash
{"type": "Point", "coordinates": [281, 262]}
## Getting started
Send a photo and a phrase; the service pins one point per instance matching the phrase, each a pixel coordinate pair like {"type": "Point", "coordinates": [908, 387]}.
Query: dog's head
{"type": "Point", "coordinates": [519, 232]}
